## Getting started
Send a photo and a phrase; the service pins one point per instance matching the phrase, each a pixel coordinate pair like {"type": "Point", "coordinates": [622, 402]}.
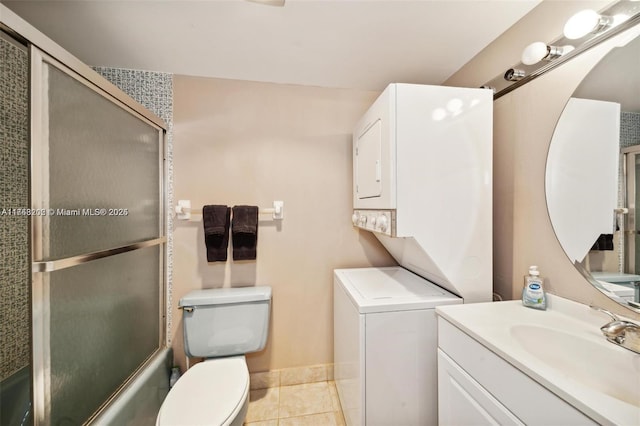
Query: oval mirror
{"type": "Point", "coordinates": [592, 180]}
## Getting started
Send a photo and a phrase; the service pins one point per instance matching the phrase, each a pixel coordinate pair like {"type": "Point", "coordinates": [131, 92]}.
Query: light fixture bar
{"type": "Point", "coordinates": [621, 16]}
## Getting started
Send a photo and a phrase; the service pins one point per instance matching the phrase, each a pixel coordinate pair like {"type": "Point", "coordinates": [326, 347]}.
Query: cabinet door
{"type": "Point", "coordinates": [368, 162]}
{"type": "Point", "coordinates": [463, 401]}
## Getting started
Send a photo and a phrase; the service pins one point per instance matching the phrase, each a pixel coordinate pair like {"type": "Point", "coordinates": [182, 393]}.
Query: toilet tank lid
{"type": "Point", "coordinates": [223, 296]}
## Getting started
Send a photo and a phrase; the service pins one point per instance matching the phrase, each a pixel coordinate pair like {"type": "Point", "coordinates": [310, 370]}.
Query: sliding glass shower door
{"type": "Point", "coordinates": [98, 243]}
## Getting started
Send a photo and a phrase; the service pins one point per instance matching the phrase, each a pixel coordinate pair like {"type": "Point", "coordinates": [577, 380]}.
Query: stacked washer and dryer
{"type": "Point", "coordinates": [422, 180]}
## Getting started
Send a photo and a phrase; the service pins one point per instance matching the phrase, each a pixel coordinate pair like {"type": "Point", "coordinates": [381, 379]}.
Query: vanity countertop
{"type": "Point", "coordinates": [561, 348]}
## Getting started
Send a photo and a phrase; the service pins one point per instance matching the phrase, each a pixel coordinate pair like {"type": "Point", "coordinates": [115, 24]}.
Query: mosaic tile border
{"type": "Point", "coordinates": [15, 274]}
{"type": "Point", "coordinates": [629, 129]}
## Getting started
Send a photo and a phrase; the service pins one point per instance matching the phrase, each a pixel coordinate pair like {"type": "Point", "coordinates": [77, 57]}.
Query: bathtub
{"type": "Point", "coordinates": [15, 399]}
{"type": "Point", "coordinates": [138, 404]}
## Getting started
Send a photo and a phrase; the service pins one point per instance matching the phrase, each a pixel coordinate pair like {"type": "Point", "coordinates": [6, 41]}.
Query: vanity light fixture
{"type": "Point", "coordinates": [538, 51]}
{"type": "Point", "coordinates": [514, 74]}
{"type": "Point", "coordinates": [583, 31]}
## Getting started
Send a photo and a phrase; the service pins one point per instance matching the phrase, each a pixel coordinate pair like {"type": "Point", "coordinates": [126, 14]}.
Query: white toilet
{"type": "Point", "coordinates": [220, 325]}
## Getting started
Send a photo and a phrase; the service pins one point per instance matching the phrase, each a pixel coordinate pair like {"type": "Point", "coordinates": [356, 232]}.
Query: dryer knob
{"type": "Point", "coordinates": [383, 223]}
{"type": "Point", "coordinates": [354, 218]}
{"type": "Point", "coordinates": [363, 220]}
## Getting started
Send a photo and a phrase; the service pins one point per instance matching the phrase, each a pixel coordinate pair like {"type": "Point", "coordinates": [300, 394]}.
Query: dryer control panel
{"type": "Point", "coordinates": [382, 221]}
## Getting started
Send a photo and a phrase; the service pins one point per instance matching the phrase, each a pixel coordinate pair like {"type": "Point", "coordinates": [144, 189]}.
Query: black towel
{"type": "Point", "coordinates": [244, 231]}
{"type": "Point", "coordinates": [216, 221]}
{"type": "Point", "coordinates": [604, 242]}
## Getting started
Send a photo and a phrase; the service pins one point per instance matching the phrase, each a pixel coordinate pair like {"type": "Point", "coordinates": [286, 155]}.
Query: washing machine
{"type": "Point", "coordinates": [385, 340]}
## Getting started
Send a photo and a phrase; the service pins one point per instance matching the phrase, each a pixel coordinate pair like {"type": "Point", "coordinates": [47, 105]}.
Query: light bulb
{"type": "Point", "coordinates": [534, 53]}
{"type": "Point", "coordinates": [585, 22]}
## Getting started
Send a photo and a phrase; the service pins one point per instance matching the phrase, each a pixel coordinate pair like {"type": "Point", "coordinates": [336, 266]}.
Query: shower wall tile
{"type": "Point", "coordinates": [154, 91]}
{"type": "Point", "coordinates": [15, 307]}
{"type": "Point", "coordinates": [629, 129]}
{"type": "Point", "coordinates": [629, 136]}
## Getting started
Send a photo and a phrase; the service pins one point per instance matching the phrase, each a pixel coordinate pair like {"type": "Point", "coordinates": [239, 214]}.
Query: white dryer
{"type": "Point", "coordinates": [385, 340]}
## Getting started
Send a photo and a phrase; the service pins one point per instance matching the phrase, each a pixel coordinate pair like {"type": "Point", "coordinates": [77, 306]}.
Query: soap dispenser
{"type": "Point", "coordinates": [533, 292]}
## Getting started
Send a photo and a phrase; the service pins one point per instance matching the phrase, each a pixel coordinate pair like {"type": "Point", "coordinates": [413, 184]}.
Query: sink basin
{"type": "Point", "coordinates": [594, 363]}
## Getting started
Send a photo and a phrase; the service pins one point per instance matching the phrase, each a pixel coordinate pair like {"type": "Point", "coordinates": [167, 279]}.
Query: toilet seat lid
{"type": "Point", "coordinates": [209, 393]}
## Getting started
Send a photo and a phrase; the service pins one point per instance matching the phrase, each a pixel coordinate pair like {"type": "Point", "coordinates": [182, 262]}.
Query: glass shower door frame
{"type": "Point", "coordinates": [41, 264]}
{"type": "Point", "coordinates": [631, 234]}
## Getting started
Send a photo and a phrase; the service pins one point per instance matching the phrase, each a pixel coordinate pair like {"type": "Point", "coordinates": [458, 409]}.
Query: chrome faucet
{"type": "Point", "coordinates": [622, 333]}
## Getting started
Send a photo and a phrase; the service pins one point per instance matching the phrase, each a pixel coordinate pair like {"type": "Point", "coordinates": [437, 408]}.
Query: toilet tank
{"type": "Point", "coordinates": [225, 321]}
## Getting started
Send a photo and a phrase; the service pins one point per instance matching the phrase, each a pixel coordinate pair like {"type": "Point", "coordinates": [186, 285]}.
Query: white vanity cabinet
{"type": "Point", "coordinates": [476, 386]}
{"type": "Point", "coordinates": [463, 401]}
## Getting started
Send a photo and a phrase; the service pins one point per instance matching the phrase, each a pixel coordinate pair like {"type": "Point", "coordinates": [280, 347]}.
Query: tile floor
{"type": "Point", "coordinates": [308, 404]}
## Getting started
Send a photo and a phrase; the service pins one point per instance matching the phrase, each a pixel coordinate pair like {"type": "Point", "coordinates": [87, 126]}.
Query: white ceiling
{"type": "Point", "coordinates": [330, 43]}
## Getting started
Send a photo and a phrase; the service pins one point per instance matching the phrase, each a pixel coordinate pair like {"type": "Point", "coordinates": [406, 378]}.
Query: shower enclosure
{"type": "Point", "coordinates": [631, 236]}
{"type": "Point", "coordinates": [83, 234]}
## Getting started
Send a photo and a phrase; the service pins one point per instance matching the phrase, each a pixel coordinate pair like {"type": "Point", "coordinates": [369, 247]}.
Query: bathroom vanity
{"type": "Point", "coordinates": [502, 363]}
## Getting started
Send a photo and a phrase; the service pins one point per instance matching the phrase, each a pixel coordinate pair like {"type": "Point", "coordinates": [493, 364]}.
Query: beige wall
{"type": "Point", "coordinates": [524, 121]}
{"type": "Point", "coordinates": [251, 143]}
{"type": "Point", "coordinates": [238, 142]}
